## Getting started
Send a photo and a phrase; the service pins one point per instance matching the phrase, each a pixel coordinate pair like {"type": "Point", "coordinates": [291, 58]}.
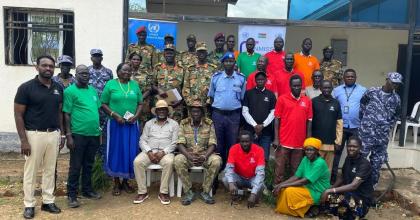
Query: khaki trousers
{"type": "Point", "coordinates": [44, 151]}
{"type": "Point", "coordinates": [141, 163]}
{"type": "Point", "coordinates": [328, 157]}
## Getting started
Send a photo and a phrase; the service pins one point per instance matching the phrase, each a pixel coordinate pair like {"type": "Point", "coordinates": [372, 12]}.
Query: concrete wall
{"type": "Point", "coordinates": [371, 52]}
{"type": "Point", "coordinates": [101, 28]}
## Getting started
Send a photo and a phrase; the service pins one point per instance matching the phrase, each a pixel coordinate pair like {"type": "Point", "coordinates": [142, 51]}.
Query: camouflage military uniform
{"type": "Point", "coordinates": [197, 141]}
{"type": "Point", "coordinates": [332, 71]}
{"type": "Point", "coordinates": [188, 58]}
{"type": "Point", "coordinates": [197, 82]}
{"type": "Point", "coordinates": [214, 58]}
{"type": "Point", "coordinates": [167, 78]}
{"type": "Point", "coordinates": [145, 78]}
{"type": "Point", "coordinates": [147, 52]}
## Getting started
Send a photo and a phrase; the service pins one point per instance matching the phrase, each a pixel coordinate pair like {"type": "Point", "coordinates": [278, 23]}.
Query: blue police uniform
{"type": "Point", "coordinates": [227, 93]}
{"type": "Point", "coordinates": [378, 114]}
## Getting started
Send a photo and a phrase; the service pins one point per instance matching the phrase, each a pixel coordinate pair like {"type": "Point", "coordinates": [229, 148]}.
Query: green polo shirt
{"type": "Point", "coordinates": [82, 104]}
{"type": "Point", "coordinates": [122, 97]}
{"type": "Point", "coordinates": [317, 174]}
{"type": "Point", "coordinates": [247, 63]}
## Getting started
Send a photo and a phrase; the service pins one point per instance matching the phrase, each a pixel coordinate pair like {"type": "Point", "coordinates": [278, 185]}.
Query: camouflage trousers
{"type": "Point", "coordinates": [378, 156]}
{"type": "Point", "coordinates": [211, 165]}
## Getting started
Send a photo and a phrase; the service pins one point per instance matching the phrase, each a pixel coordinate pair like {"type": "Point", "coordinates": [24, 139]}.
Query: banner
{"type": "Point", "coordinates": [156, 31]}
{"type": "Point", "coordinates": [264, 37]}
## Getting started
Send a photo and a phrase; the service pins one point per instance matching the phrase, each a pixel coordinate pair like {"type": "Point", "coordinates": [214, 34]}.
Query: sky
{"type": "Point", "coordinates": [275, 9]}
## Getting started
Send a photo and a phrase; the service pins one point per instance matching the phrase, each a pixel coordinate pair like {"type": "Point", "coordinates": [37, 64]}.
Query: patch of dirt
{"type": "Point", "coordinates": [121, 207]}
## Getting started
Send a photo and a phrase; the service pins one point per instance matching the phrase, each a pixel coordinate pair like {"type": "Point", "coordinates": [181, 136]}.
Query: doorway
{"type": "Point", "coordinates": [414, 91]}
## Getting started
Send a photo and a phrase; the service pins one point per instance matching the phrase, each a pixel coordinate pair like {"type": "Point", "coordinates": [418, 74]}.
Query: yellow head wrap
{"type": "Point", "coordinates": [312, 142]}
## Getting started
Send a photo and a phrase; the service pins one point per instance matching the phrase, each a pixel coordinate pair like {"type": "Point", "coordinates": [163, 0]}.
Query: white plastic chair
{"type": "Point", "coordinates": [159, 167]}
{"type": "Point", "coordinates": [179, 182]}
{"type": "Point", "coordinates": [409, 124]}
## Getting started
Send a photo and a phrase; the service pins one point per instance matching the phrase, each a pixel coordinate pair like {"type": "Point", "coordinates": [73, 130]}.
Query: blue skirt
{"type": "Point", "coordinates": [121, 149]}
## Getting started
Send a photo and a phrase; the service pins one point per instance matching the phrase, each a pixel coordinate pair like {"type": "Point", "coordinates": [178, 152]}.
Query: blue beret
{"type": "Point", "coordinates": [228, 55]}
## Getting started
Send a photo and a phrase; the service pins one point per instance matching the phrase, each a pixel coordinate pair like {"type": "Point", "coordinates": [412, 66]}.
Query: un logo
{"type": "Point", "coordinates": [153, 27]}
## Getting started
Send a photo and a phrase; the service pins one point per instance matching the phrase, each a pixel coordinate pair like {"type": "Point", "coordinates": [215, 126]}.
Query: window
{"type": "Point", "coordinates": [340, 50]}
{"type": "Point", "coordinates": [30, 33]}
{"type": "Point", "coordinates": [378, 11]}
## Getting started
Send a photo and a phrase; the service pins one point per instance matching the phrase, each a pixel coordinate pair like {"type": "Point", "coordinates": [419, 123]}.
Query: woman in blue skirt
{"type": "Point", "coordinates": [122, 101]}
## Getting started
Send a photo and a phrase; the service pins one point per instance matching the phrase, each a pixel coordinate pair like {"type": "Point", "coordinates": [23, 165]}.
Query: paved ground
{"type": "Point", "coordinates": [11, 166]}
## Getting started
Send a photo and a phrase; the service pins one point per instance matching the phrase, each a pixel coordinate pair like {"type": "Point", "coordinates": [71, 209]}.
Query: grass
{"type": "Point", "coordinates": [100, 180]}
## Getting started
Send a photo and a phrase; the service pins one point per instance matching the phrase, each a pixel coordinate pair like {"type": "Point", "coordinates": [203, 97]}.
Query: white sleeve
{"type": "Point", "coordinates": [269, 118]}
{"type": "Point", "coordinates": [248, 117]}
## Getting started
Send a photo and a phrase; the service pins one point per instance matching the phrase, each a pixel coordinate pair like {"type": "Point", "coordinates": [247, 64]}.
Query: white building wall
{"type": "Point", "coordinates": [98, 24]}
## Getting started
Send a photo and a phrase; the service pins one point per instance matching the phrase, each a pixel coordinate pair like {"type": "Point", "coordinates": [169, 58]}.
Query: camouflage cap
{"type": "Point", "coordinates": [196, 103]}
{"type": "Point", "coordinates": [169, 47]}
{"type": "Point", "coordinates": [201, 46]}
{"type": "Point", "coordinates": [191, 37]}
{"type": "Point", "coordinates": [96, 51]}
{"type": "Point", "coordinates": [65, 59]}
{"type": "Point", "coordinates": [329, 47]}
{"type": "Point", "coordinates": [168, 36]}
{"type": "Point", "coordinates": [395, 77]}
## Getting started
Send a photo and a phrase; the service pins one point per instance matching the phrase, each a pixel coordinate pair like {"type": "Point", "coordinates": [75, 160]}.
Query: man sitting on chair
{"type": "Point", "coordinates": [196, 144]}
{"type": "Point", "coordinates": [245, 168]}
{"type": "Point", "coordinates": [157, 143]}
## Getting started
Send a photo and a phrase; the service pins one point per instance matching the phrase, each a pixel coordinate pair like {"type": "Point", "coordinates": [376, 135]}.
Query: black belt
{"type": "Point", "coordinates": [44, 129]}
{"type": "Point", "coordinates": [226, 112]}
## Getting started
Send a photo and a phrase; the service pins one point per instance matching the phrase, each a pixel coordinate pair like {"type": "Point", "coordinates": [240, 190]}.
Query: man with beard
{"type": "Point", "coordinates": [39, 123]}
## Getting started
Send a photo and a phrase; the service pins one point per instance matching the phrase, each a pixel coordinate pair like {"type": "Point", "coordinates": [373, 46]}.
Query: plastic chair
{"type": "Point", "coordinates": [179, 182]}
{"type": "Point", "coordinates": [409, 124]}
{"type": "Point", "coordinates": [159, 167]}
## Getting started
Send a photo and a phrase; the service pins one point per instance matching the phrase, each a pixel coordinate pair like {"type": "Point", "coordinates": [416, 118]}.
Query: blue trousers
{"type": "Point", "coordinates": [265, 142]}
{"type": "Point", "coordinates": [378, 156]}
{"type": "Point", "coordinates": [227, 129]}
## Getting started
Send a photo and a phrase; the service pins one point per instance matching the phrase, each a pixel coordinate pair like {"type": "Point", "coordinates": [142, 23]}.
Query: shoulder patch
{"type": "Point", "coordinates": [212, 65]}
{"type": "Point", "coordinates": [208, 121]}
{"type": "Point", "coordinates": [185, 121]}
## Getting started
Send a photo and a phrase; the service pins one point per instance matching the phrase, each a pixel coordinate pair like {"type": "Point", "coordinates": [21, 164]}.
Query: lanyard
{"type": "Point", "coordinates": [196, 135]}
{"type": "Point", "coordinates": [351, 92]}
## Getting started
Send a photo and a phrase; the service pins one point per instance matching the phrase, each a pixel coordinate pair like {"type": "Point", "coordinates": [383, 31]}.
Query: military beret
{"type": "Point", "coordinates": [219, 35]}
{"type": "Point", "coordinates": [140, 29]}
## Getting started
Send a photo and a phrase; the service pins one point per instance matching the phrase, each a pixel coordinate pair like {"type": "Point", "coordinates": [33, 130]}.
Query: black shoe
{"type": "Point", "coordinates": [92, 195]}
{"type": "Point", "coordinates": [188, 198]}
{"type": "Point", "coordinates": [207, 198]}
{"type": "Point", "coordinates": [51, 208]}
{"type": "Point", "coordinates": [72, 202]}
{"type": "Point", "coordinates": [29, 212]}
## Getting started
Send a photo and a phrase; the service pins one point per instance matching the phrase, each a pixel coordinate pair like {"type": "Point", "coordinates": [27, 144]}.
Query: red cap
{"type": "Point", "coordinates": [218, 35]}
{"type": "Point", "coordinates": [140, 29]}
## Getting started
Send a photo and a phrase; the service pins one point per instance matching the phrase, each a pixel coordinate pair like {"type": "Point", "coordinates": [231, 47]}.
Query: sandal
{"type": "Point", "coordinates": [312, 212]}
{"type": "Point", "coordinates": [127, 188]}
{"type": "Point", "coordinates": [116, 191]}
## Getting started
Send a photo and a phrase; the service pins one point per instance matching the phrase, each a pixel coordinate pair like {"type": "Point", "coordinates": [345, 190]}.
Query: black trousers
{"type": "Point", "coordinates": [347, 133]}
{"type": "Point", "coordinates": [82, 158]}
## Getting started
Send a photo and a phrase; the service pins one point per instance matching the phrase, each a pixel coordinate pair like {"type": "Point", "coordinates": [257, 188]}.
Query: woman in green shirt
{"type": "Point", "coordinates": [304, 189]}
{"type": "Point", "coordinates": [122, 101]}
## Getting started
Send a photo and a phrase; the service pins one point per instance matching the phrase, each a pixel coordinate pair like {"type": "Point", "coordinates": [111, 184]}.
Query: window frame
{"type": "Point", "coordinates": [10, 25]}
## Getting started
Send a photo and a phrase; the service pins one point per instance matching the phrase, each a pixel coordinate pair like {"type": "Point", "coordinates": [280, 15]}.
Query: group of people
{"type": "Point", "coordinates": [235, 109]}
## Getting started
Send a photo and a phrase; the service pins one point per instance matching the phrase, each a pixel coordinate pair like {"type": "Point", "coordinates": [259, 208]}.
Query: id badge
{"type": "Point", "coordinates": [346, 109]}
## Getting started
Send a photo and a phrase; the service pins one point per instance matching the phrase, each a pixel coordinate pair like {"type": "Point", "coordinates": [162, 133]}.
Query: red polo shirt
{"type": "Point", "coordinates": [283, 81]}
{"type": "Point", "coordinates": [271, 83]}
{"type": "Point", "coordinates": [293, 114]}
{"type": "Point", "coordinates": [275, 61]}
{"type": "Point", "coordinates": [246, 163]}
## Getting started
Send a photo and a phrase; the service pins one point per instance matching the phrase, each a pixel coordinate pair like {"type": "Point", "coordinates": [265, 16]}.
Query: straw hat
{"type": "Point", "coordinates": [161, 104]}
